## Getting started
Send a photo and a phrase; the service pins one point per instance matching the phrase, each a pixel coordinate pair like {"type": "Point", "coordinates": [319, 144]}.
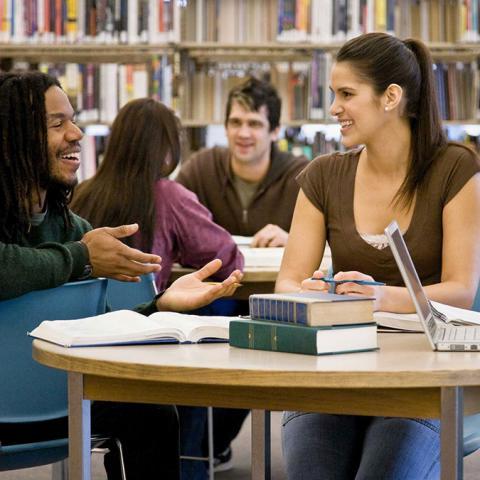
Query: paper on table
{"type": "Point", "coordinates": [408, 322]}
{"type": "Point", "coordinates": [411, 322]}
{"type": "Point", "coordinates": [240, 240]}
{"type": "Point", "coordinates": [262, 257]}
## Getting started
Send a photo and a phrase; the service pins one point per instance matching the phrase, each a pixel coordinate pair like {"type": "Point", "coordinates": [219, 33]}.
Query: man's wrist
{"type": "Point", "coordinates": [87, 269]}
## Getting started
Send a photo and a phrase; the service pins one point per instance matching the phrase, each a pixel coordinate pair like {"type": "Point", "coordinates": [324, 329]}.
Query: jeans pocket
{"type": "Point", "coordinates": [287, 416]}
{"type": "Point", "coordinates": [429, 423]}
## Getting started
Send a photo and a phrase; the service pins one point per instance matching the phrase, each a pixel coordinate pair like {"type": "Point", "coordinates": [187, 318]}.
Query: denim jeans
{"type": "Point", "coordinates": [336, 447]}
{"type": "Point", "coordinates": [193, 423]}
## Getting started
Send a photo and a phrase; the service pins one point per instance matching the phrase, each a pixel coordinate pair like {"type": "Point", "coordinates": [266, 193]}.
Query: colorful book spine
{"type": "Point", "coordinates": [280, 337]}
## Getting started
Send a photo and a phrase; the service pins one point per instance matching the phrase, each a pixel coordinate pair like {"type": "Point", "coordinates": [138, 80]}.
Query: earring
{"type": "Point", "coordinates": [387, 109]}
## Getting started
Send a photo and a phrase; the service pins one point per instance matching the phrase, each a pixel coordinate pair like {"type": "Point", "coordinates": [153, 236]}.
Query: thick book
{"type": "Point", "coordinates": [282, 337]}
{"type": "Point", "coordinates": [124, 327]}
{"type": "Point", "coordinates": [313, 309]}
{"type": "Point", "coordinates": [409, 322]}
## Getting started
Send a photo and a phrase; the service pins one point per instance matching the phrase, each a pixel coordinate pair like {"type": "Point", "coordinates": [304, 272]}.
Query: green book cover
{"type": "Point", "coordinates": [283, 337]}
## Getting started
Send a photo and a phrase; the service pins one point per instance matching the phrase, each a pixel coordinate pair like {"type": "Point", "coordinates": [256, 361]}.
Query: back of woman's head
{"type": "Point", "coordinates": [144, 136]}
{"type": "Point", "coordinates": [381, 60]}
{"type": "Point", "coordinates": [144, 146]}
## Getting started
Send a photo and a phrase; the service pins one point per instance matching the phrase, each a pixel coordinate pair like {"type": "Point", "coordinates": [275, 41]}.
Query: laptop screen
{"type": "Point", "coordinates": [410, 277]}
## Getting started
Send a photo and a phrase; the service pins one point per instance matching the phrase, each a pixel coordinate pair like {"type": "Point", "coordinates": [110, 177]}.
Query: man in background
{"type": "Point", "coordinates": [250, 189]}
{"type": "Point", "coordinates": [250, 186]}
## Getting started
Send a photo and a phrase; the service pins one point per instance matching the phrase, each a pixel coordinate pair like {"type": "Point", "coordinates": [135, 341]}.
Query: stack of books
{"type": "Point", "coordinates": [309, 323]}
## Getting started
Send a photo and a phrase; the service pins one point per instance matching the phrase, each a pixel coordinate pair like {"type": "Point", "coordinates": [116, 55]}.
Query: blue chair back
{"type": "Point", "coordinates": [31, 392]}
{"type": "Point", "coordinates": [471, 423]}
{"type": "Point", "coordinates": [127, 295]}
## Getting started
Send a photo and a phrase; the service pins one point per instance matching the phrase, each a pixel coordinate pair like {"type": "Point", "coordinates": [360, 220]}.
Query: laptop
{"type": "Point", "coordinates": [442, 336]}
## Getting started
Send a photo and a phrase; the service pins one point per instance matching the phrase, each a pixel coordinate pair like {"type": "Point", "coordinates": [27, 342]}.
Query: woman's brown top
{"type": "Point", "coordinates": [328, 182]}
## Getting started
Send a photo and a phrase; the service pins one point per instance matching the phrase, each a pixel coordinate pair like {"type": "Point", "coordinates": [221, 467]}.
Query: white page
{"type": "Point", "coordinates": [468, 317]}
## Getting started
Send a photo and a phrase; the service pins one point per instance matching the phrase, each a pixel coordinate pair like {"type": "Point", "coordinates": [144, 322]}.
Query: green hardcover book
{"type": "Point", "coordinates": [282, 337]}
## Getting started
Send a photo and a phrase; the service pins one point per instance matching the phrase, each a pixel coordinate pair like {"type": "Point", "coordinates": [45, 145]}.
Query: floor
{"type": "Point", "coordinates": [241, 469]}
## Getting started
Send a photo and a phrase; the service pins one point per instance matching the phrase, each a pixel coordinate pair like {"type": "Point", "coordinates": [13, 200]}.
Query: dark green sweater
{"type": "Point", "coordinates": [48, 256]}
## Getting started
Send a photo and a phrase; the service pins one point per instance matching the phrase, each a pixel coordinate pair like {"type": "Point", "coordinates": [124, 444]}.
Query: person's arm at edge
{"type": "Point", "coordinates": [308, 236]}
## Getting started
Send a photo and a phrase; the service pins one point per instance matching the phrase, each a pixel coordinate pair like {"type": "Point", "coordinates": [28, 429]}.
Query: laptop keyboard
{"type": "Point", "coordinates": [459, 334]}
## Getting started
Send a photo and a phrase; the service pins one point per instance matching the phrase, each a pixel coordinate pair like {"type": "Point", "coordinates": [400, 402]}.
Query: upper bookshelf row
{"type": "Point", "coordinates": [234, 22]}
{"type": "Point", "coordinates": [199, 93]}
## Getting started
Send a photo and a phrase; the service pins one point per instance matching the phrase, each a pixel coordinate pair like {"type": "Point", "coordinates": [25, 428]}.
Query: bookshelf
{"type": "Point", "coordinates": [109, 51]}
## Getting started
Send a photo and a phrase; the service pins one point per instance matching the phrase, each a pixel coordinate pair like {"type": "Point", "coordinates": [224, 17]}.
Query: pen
{"type": "Point", "coordinates": [219, 283]}
{"type": "Point", "coordinates": [338, 282]}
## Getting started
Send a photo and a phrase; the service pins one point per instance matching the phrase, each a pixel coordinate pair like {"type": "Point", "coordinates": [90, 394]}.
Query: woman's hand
{"type": "Point", "coordinates": [348, 288]}
{"type": "Point", "coordinates": [191, 292]}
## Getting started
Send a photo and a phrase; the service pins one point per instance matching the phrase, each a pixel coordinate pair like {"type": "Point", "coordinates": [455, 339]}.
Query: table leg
{"type": "Point", "coordinates": [79, 429]}
{"type": "Point", "coordinates": [261, 459]}
{"type": "Point", "coordinates": [451, 433]}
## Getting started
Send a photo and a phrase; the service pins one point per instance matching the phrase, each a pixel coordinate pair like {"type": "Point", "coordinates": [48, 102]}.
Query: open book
{"type": "Point", "coordinates": [125, 327]}
{"type": "Point", "coordinates": [409, 321]}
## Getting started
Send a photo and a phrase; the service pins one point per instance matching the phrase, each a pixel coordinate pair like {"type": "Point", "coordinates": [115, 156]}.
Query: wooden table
{"type": "Point", "coordinates": [404, 378]}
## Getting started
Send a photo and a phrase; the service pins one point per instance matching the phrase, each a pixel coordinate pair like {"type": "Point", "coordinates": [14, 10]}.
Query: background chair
{"type": "Point", "coordinates": [471, 423]}
{"type": "Point", "coordinates": [31, 392]}
{"type": "Point", "coordinates": [127, 295]}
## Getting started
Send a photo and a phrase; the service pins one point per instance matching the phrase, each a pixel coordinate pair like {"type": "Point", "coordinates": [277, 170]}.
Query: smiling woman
{"type": "Point", "coordinates": [404, 169]}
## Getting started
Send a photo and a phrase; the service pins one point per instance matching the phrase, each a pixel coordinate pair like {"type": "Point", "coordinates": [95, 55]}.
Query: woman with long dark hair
{"type": "Point", "coordinates": [399, 166]}
{"type": "Point", "coordinates": [131, 186]}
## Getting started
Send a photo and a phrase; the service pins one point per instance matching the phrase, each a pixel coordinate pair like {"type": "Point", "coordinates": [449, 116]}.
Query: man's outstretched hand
{"type": "Point", "coordinates": [111, 258]}
{"type": "Point", "coordinates": [190, 291]}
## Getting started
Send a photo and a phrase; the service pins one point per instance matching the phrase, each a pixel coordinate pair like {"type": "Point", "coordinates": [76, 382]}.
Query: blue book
{"type": "Point", "coordinates": [312, 309]}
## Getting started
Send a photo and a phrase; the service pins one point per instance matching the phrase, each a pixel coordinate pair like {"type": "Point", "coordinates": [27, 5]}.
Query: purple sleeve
{"type": "Point", "coordinates": [198, 239]}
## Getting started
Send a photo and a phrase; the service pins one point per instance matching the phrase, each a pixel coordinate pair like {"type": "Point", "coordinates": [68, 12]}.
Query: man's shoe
{"type": "Point", "coordinates": [223, 461]}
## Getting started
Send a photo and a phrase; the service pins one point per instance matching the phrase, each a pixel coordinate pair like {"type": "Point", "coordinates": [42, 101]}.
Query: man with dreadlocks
{"type": "Point", "coordinates": [43, 244]}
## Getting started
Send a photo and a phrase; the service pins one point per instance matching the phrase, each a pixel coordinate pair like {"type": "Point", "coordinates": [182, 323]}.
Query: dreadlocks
{"type": "Point", "coordinates": [24, 160]}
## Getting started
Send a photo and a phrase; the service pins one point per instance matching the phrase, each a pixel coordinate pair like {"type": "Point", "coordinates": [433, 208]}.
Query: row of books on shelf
{"type": "Point", "coordinates": [99, 21]}
{"type": "Point", "coordinates": [234, 21]}
{"type": "Point", "coordinates": [98, 91]}
{"type": "Point", "coordinates": [304, 88]}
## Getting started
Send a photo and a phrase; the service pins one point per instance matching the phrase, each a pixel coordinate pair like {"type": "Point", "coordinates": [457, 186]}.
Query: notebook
{"type": "Point", "coordinates": [442, 336]}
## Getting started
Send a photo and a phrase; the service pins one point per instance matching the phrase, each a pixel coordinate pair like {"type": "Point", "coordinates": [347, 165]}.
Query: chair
{"type": "Point", "coordinates": [30, 391]}
{"type": "Point", "coordinates": [471, 423]}
{"type": "Point", "coordinates": [127, 295]}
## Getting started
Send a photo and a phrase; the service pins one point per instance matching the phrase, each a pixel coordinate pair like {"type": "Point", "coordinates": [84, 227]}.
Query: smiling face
{"type": "Point", "coordinates": [358, 109]}
{"type": "Point", "coordinates": [249, 135]}
{"type": "Point", "coordinates": [63, 138]}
